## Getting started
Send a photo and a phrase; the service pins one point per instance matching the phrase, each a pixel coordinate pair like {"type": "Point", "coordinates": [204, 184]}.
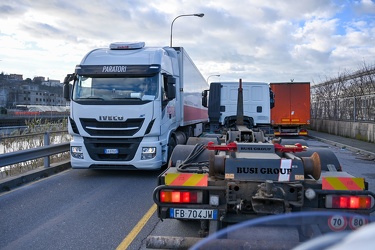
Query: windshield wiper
{"type": "Point", "coordinates": [92, 97]}
{"type": "Point", "coordinates": [126, 98]}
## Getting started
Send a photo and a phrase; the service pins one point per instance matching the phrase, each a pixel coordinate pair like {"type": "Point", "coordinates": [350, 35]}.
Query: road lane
{"type": "Point", "coordinates": [76, 209]}
{"type": "Point", "coordinates": [137, 229]}
{"type": "Point", "coordinates": [88, 209]}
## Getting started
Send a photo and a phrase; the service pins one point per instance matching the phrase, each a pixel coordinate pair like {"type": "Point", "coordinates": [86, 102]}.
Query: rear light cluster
{"type": "Point", "coordinates": [303, 132]}
{"type": "Point", "coordinates": [349, 201]}
{"type": "Point", "coordinates": [173, 196]}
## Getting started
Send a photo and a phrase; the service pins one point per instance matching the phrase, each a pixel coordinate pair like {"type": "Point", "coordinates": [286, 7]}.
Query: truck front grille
{"type": "Point", "coordinates": [111, 128]}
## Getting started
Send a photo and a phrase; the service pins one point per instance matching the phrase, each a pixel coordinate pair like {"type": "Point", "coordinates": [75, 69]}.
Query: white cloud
{"type": "Point", "coordinates": [255, 40]}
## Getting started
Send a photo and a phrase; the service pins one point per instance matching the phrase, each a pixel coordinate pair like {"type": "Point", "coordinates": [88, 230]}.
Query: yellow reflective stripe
{"type": "Point", "coordinates": [185, 179]}
{"type": "Point", "coordinates": [343, 183]}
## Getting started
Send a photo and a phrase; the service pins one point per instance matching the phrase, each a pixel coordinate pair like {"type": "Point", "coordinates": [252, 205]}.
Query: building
{"type": "Point", "coordinates": [16, 91]}
{"type": "Point", "coordinates": [52, 83]}
{"type": "Point", "coordinates": [13, 77]}
{"type": "Point", "coordinates": [33, 95]}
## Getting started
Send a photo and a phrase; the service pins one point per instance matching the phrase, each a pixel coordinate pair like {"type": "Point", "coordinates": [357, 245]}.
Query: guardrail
{"type": "Point", "coordinates": [20, 156]}
{"type": "Point", "coordinates": [45, 151]}
{"type": "Point", "coordinates": [34, 153]}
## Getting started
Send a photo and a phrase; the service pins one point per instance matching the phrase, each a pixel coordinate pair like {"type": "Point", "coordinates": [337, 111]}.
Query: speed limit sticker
{"type": "Point", "coordinates": [337, 223]}
{"type": "Point", "coordinates": [357, 221]}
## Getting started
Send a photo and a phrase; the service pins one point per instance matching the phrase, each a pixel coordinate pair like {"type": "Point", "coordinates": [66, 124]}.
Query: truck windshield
{"type": "Point", "coordinates": [108, 89]}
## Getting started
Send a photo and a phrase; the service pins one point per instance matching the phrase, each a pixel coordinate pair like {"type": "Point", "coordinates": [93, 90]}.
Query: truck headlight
{"type": "Point", "coordinates": [76, 152]}
{"type": "Point", "coordinates": [148, 153]}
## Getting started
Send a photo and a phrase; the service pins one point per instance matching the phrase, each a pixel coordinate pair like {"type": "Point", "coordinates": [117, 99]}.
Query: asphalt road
{"type": "Point", "coordinates": [87, 209]}
{"type": "Point", "coordinates": [76, 209]}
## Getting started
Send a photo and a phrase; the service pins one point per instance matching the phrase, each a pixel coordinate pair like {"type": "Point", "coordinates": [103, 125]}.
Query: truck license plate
{"type": "Point", "coordinates": [199, 214]}
{"type": "Point", "coordinates": [111, 151]}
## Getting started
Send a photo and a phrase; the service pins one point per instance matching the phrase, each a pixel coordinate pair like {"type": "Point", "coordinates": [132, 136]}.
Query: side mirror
{"type": "Point", "coordinates": [69, 78]}
{"type": "Point", "coordinates": [272, 99]}
{"type": "Point", "coordinates": [67, 87]}
{"type": "Point", "coordinates": [204, 98]}
{"type": "Point", "coordinates": [171, 85]}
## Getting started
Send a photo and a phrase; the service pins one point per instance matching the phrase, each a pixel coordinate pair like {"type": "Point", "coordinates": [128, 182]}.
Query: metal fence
{"type": "Point", "coordinates": [348, 97]}
{"type": "Point", "coordinates": [356, 108]}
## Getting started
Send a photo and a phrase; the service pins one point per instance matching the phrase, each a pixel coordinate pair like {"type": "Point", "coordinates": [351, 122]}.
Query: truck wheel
{"type": "Point", "coordinates": [171, 145]}
{"type": "Point", "coordinates": [201, 140]}
{"type": "Point", "coordinates": [181, 152]}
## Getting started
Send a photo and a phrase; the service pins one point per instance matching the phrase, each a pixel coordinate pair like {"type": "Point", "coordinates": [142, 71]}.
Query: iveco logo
{"type": "Point", "coordinates": [110, 118]}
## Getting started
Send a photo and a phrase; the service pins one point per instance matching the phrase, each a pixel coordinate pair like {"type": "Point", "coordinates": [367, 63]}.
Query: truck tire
{"type": "Point", "coordinates": [171, 145]}
{"type": "Point", "coordinates": [181, 152]}
{"type": "Point", "coordinates": [201, 140]}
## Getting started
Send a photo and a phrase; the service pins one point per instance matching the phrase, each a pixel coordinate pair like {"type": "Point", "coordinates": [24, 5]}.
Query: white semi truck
{"type": "Point", "coordinates": [130, 105]}
{"type": "Point", "coordinates": [221, 100]}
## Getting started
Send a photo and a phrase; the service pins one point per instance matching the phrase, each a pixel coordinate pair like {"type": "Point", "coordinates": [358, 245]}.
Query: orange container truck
{"type": "Point", "coordinates": [291, 114]}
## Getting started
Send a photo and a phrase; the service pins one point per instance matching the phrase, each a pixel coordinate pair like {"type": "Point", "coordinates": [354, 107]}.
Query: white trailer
{"type": "Point", "coordinates": [131, 104]}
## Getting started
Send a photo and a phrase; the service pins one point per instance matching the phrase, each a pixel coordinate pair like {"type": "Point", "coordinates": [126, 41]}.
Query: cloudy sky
{"type": "Point", "coordinates": [268, 40]}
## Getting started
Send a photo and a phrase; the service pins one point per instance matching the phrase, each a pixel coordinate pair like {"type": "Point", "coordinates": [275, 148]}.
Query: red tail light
{"type": "Point", "coordinates": [177, 196]}
{"type": "Point", "coordinates": [349, 201]}
{"type": "Point", "coordinates": [303, 132]}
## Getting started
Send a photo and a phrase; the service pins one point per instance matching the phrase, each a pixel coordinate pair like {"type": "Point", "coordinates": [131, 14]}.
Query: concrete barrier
{"type": "Point", "coordinates": [356, 130]}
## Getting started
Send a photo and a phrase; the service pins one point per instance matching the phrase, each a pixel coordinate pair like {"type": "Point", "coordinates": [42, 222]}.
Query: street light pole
{"type": "Point", "coordinates": [198, 15]}
{"type": "Point", "coordinates": [210, 76]}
